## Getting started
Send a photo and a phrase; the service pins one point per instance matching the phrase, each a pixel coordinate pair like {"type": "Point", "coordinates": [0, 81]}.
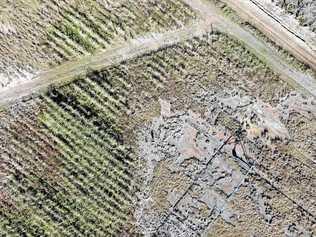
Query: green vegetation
{"type": "Point", "coordinates": [74, 34]}
{"type": "Point", "coordinates": [72, 169]}
{"type": "Point", "coordinates": [90, 194]}
{"type": "Point", "coordinates": [228, 11]}
{"type": "Point", "coordinates": [85, 27]}
{"type": "Point", "coordinates": [286, 55]}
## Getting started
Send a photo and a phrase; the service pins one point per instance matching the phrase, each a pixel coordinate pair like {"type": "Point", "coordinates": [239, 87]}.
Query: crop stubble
{"type": "Point", "coordinates": [71, 172]}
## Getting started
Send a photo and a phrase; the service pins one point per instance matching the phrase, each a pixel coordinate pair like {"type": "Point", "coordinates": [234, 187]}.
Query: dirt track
{"type": "Point", "coordinates": [287, 72]}
{"type": "Point", "coordinates": [277, 30]}
{"type": "Point", "coordinates": [211, 16]}
{"type": "Point", "coordinates": [68, 71]}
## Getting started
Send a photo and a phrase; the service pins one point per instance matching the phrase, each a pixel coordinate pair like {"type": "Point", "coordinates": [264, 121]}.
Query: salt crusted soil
{"type": "Point", "coordinates": [222, 158]}
{"type": "Point", "coordinates": [212, 171]}
{"type": "Point", "coordinates": [222, 146]}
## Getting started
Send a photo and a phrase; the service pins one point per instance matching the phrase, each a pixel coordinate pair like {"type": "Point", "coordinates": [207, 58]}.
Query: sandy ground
{"type": "Point", "coordinates": [208, 11]}
{"type": "Point", "coordinates": [68, 71]}
{"type": "Point", "coordinates": [224, 154]}
{"type": "Point", "coordinates": [281, 30]}
{"type": "Point", "coordinates": [212, 18]}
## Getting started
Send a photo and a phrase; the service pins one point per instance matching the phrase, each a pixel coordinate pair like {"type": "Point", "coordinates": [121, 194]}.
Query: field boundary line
{"type": "Point", "coordinates": [275, 29]}
{"type": "Point", "coordinates": [211, 17]}
{"type": "Point", "coordinates": [70, 70]}
{"type": "Point", "coordinates": [303, 82]}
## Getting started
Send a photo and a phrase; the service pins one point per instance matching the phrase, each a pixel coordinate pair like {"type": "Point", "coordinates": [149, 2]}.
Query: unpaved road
{"type": "Point", "coordinates": [211, 15]}
{"type": "Point", "coordinates": [305, 83]}
{"type": "Point", "coordinates": [70, 70]}
{"type": "Point", "coordinates": [299, 44]}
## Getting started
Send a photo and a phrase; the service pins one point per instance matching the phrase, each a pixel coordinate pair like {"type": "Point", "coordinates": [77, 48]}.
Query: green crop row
{"type": "Point", "coordinates": [83, 30]}
{"type": "Point", "coordinates": [73, 173]}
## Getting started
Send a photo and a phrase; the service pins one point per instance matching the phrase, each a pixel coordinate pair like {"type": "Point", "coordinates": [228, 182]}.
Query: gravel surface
{"type": "Point", "coordinates": [303, 10]}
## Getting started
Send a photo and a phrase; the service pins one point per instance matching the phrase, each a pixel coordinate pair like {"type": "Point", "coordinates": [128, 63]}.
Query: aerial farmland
{"type": "Point", "coordinates": [157, 118]}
